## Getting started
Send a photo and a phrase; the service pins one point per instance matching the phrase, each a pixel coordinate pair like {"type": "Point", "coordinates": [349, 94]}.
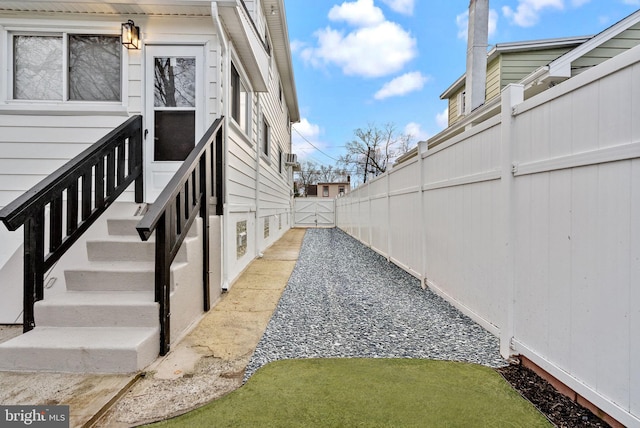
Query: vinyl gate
{"type": "Point", "coordinates": [315, 212]}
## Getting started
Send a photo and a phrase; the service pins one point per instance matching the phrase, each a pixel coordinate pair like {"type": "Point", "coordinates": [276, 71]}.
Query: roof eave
{"type": "Point", "coordinates": [278, 29]}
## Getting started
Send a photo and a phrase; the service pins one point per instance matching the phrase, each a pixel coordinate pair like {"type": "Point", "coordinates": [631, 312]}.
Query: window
{"type": "Point", "coordinates": [462, 99]}
{"type": "Point", "coordinates": [240, 101]}
{"type": "Point", "coordinates": [266, 139]}
{"type": "Point", "coordinates": [267, 42]}
{"type": "Point", "coordinates": [266, 227]}
{"type": "Point", "coordinates": [94, 67]}
{"type": "Point", "coordinates": [325, 191]}
{"type": "Point", "coordinates": [341, 190]}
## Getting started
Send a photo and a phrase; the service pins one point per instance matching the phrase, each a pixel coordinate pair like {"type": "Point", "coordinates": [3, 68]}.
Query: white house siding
{"type": "Point", "coordinates": [529, 225]}
{"type": "Point", "coordinates": [256, 197]}
{"type": "Point", "coordinates": [275, 186]}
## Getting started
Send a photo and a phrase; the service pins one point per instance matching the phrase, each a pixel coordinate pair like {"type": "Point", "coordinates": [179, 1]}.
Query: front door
{"type": "Point", "coordinates": [174, 111]}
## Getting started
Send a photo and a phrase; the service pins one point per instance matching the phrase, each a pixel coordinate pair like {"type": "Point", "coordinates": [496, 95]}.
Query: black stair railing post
{"type": "Point", "coordinates": [33, 288]}
{"type": "Point", "coordinates": [219, 172]}
{"type": "Point", "coordinates": [163, 273]}
{"type": "Point", "coordinates": [135, 156]}
{"type": "Point", "coordinates": [205, 192]}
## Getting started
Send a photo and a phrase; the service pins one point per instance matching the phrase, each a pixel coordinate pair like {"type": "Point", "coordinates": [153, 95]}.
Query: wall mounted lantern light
{"type": "Point", "coordinates": [130, 35]}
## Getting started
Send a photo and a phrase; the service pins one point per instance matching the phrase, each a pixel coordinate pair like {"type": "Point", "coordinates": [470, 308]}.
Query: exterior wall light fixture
{"type": "Point", "coordinates": [130, 35]}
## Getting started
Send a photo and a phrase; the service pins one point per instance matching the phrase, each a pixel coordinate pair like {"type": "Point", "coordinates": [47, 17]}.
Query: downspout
{"type": "Point", "coordinates": [258, 156]}
{"type": "Point", "coordinates": [223, 78]}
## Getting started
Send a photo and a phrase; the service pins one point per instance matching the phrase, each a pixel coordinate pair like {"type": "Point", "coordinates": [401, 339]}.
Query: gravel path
{"type": "Point", "coordinates": [345, 300]}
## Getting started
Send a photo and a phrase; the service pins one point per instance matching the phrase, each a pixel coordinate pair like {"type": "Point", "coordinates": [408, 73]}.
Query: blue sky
{"type": "Point", "coordinates": [360, 62]}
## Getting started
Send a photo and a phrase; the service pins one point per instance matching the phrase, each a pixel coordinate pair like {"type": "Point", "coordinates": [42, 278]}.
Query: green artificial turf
{"type": "Point", "coordinates": [368, 393]}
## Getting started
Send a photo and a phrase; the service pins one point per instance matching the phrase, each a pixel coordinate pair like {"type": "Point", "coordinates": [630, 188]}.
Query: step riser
{"type": "Point", "coordinates": [127, 227]}
{"type": "Point", "coordinates": [109, 281]}
{"type": "Point", "coordinates": [74, 359]}
{"type": "Point", "coordinates": [128, 251]}
{"type": "Point", "coordinates": [83, 280]}
{"type": "Point", "coordinates": [123, 226]}
{"type": "Point", "coordinates": [54, 315]}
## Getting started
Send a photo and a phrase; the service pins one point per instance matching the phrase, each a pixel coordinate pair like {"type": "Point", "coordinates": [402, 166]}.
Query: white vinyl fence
{"type": "Point", "coordinates": [530, 224]}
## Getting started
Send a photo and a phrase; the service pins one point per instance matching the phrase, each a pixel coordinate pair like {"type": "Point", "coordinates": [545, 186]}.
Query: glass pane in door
{"type": "Point", "coordinates": [174, 101]}
{"type": "Point", "coordinates": [175, 82]}
{"type": "Point", "coordinates": [174, 134]}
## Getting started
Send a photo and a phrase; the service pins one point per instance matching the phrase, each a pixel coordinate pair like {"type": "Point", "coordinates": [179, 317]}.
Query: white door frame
{"type": "Point", "coordinates": [158, 174]}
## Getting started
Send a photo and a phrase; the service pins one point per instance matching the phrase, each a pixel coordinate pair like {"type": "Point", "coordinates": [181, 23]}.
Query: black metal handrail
{"type": "Point", "coordinates": [195, 186]}
{"type": "Point", "coordinates": [89, 182]}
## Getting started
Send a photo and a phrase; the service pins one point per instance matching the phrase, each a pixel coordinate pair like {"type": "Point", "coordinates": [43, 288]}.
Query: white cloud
{"type": "Point", "coordinates": [404, 7]}
{"type": "Point", "coordinates": [297, 46]}
{"type": "Point", "coordinates": [361, 13]}
{"type": "Point", "coordinates": [416, 132]}
{"type": "Point", "coordinates": [402, 85]}
{"type": "Point", "coordinates": [462, 21]}
{"type": "Point", "coordinates": [304, 133]}
{"type": "Point", "coordinates": [373, 51]}
{"type": "Point", "coordinates": [527, 14]}
{"type": "Point", "coordinates": [442, 119]}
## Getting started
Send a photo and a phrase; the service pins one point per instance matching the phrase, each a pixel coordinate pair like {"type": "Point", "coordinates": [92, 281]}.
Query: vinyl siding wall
{"type": "Point", "coordinates": [616, 45]}
{"type": "Point", "coordinates": [258, 192]}
{"type": "Point", "coordinates": [37, 138]}
{"type": "Point", "coordinates": [516, 66]}
{"type": "Point", "coordinates": [493, 79]}
{"type": "Point", "coordinates": [453, 107]}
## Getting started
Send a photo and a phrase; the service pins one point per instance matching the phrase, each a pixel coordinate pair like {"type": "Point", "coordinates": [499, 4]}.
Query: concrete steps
{"type": "Point", "coordinates": [116, 276]}
{"type": "Point", "coordinates": [107, 320]}
{"type": "Point", "coordinates": [81, 349]}
{"type": "Point", "coordinates": [98, 309]}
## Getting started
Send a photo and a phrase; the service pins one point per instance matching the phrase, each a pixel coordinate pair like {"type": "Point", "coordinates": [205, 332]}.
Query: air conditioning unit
{"type": "Point", "coordinates": [290, 159]}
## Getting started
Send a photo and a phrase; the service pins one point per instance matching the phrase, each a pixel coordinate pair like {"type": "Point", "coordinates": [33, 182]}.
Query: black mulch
{"type": "Point", "coordinates": [558, 408]}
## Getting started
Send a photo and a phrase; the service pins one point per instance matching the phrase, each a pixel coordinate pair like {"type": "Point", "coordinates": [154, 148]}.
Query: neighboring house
{"type": "Point", "coordinates": [327, 190]}
{"type": "Point", "coordinates": [69, 80]}
{"type": "Point", "coordinates": [333, 190]}
{"type": "Point", "coordinates": [508, 63]}
{"type": "Point", "coordinates": [538, 65]}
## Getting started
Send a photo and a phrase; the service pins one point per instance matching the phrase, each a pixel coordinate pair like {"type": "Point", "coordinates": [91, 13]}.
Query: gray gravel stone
{"type": "Point", "coordinates": [344, 300]}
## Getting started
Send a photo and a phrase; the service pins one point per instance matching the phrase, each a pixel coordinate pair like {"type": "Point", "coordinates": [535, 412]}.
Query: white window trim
{"type": "Point", "coordinates": [265, 155]}
{"type": "Point", "coordinates": [64, 106]}
{"type": "Point", "coordinates": [462, 98]}
{"type": "Point", "coordinates": [235, 62]}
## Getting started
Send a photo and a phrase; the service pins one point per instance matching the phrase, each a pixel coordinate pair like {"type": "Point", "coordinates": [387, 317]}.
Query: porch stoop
{"type": "Point", "coordinates": [107, 320]}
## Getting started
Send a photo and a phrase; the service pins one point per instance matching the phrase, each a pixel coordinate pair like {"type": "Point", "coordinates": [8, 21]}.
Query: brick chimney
{"type": "Point", "coordinates": [478, 41]}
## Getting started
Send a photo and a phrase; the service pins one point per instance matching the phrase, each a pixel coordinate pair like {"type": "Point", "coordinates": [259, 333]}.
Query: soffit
{"type": "Point", "coordinates": [113, 7]}
{"type": "Point", "coordinates": [278, 30]}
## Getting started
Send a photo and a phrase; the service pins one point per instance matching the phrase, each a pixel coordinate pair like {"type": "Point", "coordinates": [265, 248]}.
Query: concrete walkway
{"type": "Point", "coordinates": [208, 363]}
